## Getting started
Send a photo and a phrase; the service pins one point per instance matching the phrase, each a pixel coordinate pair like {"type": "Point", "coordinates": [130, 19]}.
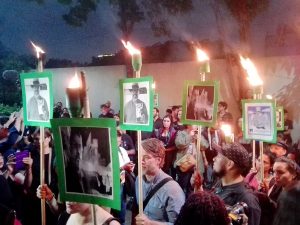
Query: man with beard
{"type": "Point", "coordinates": [229, 165]}
{"type": "Point", "coordinates": [135, 110]}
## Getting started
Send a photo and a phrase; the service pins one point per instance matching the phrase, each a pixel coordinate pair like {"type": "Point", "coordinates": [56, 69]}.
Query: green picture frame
{"type": "Point", "coordinates": [87, 161]}
{"type": "Point", "coordinates": [259, 118]}
{"type": "Point", "coordinates": [200, 102]}
{"type": "Point", "coordinates": [136, 104]}
{"type": "Point", "coordinates": [37, 98]}
{"type": "Point", "coordinates": [280, 118]}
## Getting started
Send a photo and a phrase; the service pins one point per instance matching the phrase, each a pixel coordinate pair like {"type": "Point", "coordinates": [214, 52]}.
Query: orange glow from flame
{"type": "Point", "coordinates": [253, 77]}
{"type": "Point", "coordinates": [226, 129]}
{"type": "Point", "coordinates": [75, 83]}
{"type": "Point", "coordinates": [38, 50]}
{"type": "Point", "coordinates": [201, 55]}
{"type": "Point", "coordinates": [131, 49]}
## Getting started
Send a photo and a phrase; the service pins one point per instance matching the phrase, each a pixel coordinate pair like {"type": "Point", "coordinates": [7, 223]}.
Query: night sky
{"type": "Point", "coordinates": [22, 21]}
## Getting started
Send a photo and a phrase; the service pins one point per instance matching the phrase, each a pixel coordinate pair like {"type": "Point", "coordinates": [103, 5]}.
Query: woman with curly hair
{"type": "Point", "coordinates": [203, 208]}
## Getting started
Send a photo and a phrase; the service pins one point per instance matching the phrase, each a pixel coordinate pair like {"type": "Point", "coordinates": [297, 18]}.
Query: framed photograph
{"type": "Point", "coordinates": [136, 97]}
{"type": "Point", "coordinates": [155, 100]}
{"type": "Point", "coordinates": [87, 161]}
{"type": "Point", "coordinates": [200, 102]}
{"type": "Point", "coordinates": [259, 117]}
{"type": "Point", "coordinates": [279, 118]}
{"type": "Point", "coordinates": [37, 98]}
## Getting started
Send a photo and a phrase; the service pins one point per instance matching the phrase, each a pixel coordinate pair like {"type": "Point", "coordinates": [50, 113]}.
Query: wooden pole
{"type": "Point", "coordinates": [261, 145]}
{"type": "Point", "coordinates": [140, 172]}
{"type": "Point", "coordinates": [198, 147]}
{"type": "Point", "coordinates": [253, 143]}
{"type": "Point", "coordinates": [87, 114]}
{"type": "Point", "coordinates": [40, 68]}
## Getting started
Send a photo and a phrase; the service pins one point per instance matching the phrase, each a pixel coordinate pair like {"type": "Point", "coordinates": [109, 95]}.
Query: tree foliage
{"type": "Point", "coordinates": [244, 11]}
{"type": "Point", "coordinates": [130, 12]}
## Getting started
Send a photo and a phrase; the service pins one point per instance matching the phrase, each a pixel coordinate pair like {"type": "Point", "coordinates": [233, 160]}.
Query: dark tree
{"type": "Point", "coordinates": [245, 11]}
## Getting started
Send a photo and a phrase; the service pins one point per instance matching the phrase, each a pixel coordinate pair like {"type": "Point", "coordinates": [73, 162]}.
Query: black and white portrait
{"type": "Point", "coordinates": [87, 160]}
{"type": "Point", "coordinates": [136, 103]}
{"type": "Point", "coordinates": [259, 118]}
{"type": "Point", "coordinates": [37, 99]}
{"type": "Point", "coordinates": [200, 103]}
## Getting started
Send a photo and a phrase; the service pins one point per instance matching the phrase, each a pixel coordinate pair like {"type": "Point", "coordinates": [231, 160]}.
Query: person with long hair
{"type": "Point", "coordinates": [286, 173]}
{"type": "Point", "coordinates": [167, 135]}
{"type": "Point", "coordinates": [253, 177]}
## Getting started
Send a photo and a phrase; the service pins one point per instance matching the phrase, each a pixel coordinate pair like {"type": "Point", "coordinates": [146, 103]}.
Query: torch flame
{"type": "Point", "coordinates": [226, 128]}
{"type": "Point", "coordinates": [153, 85]}
{"type": "Point", "coordinates": [131, 49]}
{"type": "Point", "coordinates": [269, 97]}
{"type": "Point", "coordinates": [201, 55]}
{"type": "Point", "coordinates": [75, 83]}
{"type": "Point", "coordinates": [251, 70]}
{"type": "Point", "coordinates": [38, 50]}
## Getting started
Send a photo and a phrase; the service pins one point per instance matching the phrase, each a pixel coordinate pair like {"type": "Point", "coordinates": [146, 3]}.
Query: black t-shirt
{"type": "Point", "coordinates": [127, 142]}
{"type": "Point", "coordinates": [158, 123]}
{"type": "Point", "coordinates": [239, 192]}
{"type": "Point", "coordinates": [6, 197]}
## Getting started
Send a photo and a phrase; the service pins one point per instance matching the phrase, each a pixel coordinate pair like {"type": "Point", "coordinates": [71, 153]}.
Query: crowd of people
{"type": "Point", "coordinates": [182, 184]}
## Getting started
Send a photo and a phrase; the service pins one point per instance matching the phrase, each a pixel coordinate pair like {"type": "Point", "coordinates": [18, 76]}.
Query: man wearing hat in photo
{"type": "Point", "coordinates": [135, 110]}
{"type": "Point", "coordinates": [37, 107]}
{"type": "Point", "coordinates": [229, 165]}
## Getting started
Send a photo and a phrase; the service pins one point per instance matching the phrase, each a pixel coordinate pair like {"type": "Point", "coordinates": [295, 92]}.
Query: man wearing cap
{"type": "Point", "coordinates": [105, 113]}
{"type": "Point", "coordinates": [229, 165]}
{"type": "Point", "coordinates": [279, 149]}
{"type": "Point", "coordinates": [37, 107]}
{"type": "Point", "coordinates": [135, 110]}
{"type": "Point", "coordinates": [165, 204]}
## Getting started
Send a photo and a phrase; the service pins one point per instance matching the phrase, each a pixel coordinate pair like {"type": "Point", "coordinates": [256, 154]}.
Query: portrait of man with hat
{"type": "Point", "coordinates": [135, 110]}
{"type": "Point", "coordinates": [37, 106]}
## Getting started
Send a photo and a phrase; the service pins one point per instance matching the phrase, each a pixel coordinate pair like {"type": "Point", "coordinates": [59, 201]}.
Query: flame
{"type": "Point", "coordinates": [131, 49]}
{"type": "Point", "coordinates": [153, 85]}
{"type": "Point", "coordinates": [75, 83]}
{"type": "Point", "coordinates": [38, 50]}
{"type": "Point", "coordinates": [226, 128]}
{"type": "Point", "coordinates": [201, 55]}
{"type": "Point", "coordinates": [269, 97]}
{"type": "Point", "coordinates": [251, 70]}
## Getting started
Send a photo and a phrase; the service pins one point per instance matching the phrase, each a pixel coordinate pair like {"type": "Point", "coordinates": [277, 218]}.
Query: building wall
{"type": "Point", "coordinates": [280, 75]}
{"type": "Point", "coordinates": [102, 84]}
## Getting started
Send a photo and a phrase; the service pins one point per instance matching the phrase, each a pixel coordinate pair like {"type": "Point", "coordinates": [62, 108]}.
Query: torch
{"type": "Point", "coordinates": [77, 100]}
{"type": "Point", "coordinates": [74, 96]}
{"type": "Point", "coordinates": [257, 84]}
{"type": "Point", "coordinates": [203, 59]}
{"type": "Point", "coordinates": [136, 60]}
{"type": "Point", "coordinates": [40, 55]}
{"type": "Point", "coordinates": [229, 136]}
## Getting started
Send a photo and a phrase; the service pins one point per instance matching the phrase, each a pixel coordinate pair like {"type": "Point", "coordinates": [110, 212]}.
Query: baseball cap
{"type": "Point", "coordinates": [237, 153]}
{"type": "Point", "coordinates": [282, 144]}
